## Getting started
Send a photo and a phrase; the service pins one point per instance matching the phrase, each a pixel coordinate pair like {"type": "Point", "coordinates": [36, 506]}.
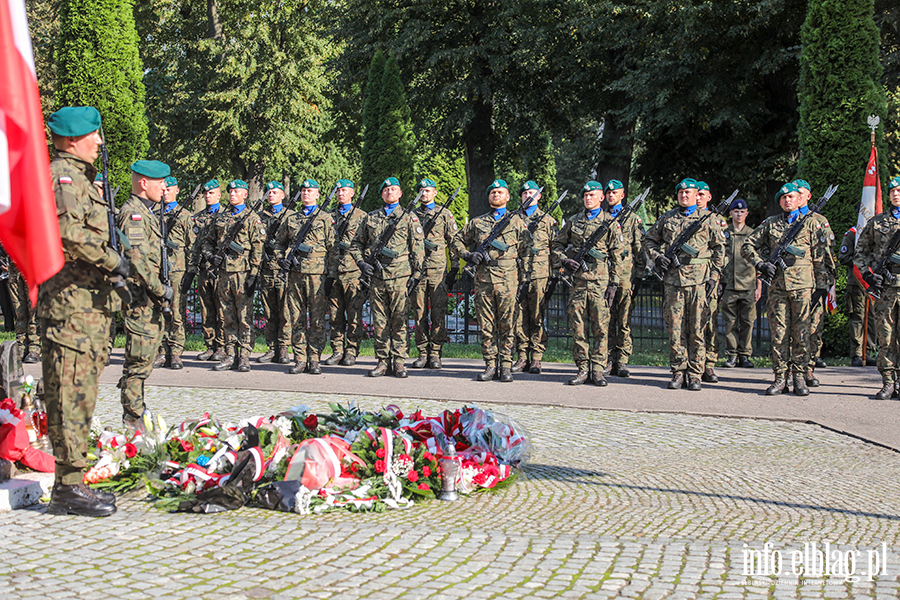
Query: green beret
{"type": "Point", "coordinates": [614, 184]}
{"type": "Point", "coordinates": [801, 183]}
{"type": "Point", "coordinates": [529, 185]}
{"type": "Point", "coordinates": [274, 185]}
{"type": "Point", "coordinates": [687, 184]}
{"type": "Point", "coordinates": [309, 183]}
{"type": "Point", "coordinates": [210, 185]}
{"type": "Point", "coordinates": [497, 184]}
{"type": "Point", "coordinates": [170, 181]}
{"type": "Point", "coordinates": [151, 168]}
{"type": "Point", "coordinates": [786, 189]}
{"type": "Point", "coordinates": [98, 177]}
{"type": "Point", "coordinates": [345, 183]}
{"type": "Point", "coordinates": [73, 121]}
{"type": "Point", "coordinates": [895, 182]}
{"type": "Point", "coordinates": [425, 183]}
{"type": "Point", "coordinates": [702, 185]}
{"type": "Point", "coordinates": [237, 184]}
{"type": "Point", "coordinates": [590, 186]}
{"type": "Point", "coordinates": [387, 182]}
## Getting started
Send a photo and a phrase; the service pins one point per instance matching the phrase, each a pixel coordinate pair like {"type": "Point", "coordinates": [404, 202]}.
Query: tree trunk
{"type": "Point", "coordinates": [614, 149]}
{"type": "Point", "coordinates": [255, 181]}
{"type": "Point", "coordinates": [480, 151]}
{"type": "Point", "coordinates": [214, 26]}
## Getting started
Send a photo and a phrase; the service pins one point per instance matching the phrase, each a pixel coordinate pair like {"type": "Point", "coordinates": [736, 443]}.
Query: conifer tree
{"type": "Point", "coordinates": [372, 151]}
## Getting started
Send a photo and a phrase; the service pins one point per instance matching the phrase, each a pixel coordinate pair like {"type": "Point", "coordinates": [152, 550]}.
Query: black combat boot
{"type": "Point", "coordinates": [579, 378]}
{"type": "Point", "coordinates": [227, 362]}
{"type": "Point", "coordinates": [505, 374]}
{"type": "Point", "coordinates": [519, 365]}
{"type": "Point", "coordinates": [349, 358]}
{"type": "Point", "coordinates": [887, 389]}
{"type": "Point", "coordinates": [421, 361]}
{"type": "Point", "coordinates": [207, 355]}
{"type": "Point", "coordinates": [380, 369]}
{"type": "Point", "coordinates": [709, 376]}
{"type": "Point", "coordinates": [694, 384]}
{"type": "Point", "coordinates": [800, 388]}
{"type": "Point", "coordinates": [598, 379]}
{"type": "Point", "coordinates": [487, 374]}
{"type": "Point", "coordinates": [400, 370]}
{"type": "Point", "coordinates": [77, 500]}
{"type": "Point", "coordinates": [677, 380]}
{"type": "Point", "coordinates": [777, 386]}
{"type": "Point", "coordinates": [314, 368]}
{"type": "Point", "coordinates": [333, 359]}
{"type": "Point", "coordinates": [730, 362]}
{"type": "Point", "coordinates": [244, 362]}
{"type": "Point", "coordinates": [299, 365]}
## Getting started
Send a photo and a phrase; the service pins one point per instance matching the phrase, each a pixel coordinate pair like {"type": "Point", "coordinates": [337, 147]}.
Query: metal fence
{"type": "Point", "coordinates": [647, 321]}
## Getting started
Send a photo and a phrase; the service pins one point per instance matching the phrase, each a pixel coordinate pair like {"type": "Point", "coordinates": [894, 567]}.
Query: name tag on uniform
{"type": "Point", "coordinates": [895, 258]}
{"type": "Point", "coordinates": [794, 251]}
{"type": "Point", "coordinates": [429, 245]}
{"type": "Point", "coordinates": [390, 253]}
{"type": "Point", "coordinates": [500, 245]}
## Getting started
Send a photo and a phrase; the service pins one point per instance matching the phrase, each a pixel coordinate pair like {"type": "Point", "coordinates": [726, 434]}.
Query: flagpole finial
{"type": "Point", "coordinates": [874, 121]}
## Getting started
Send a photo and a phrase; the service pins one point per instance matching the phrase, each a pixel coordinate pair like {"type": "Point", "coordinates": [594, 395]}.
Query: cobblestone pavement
{"type": "Point", "coordinates": [611, 504]}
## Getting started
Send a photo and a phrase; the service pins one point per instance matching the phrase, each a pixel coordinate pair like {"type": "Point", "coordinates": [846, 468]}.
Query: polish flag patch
{"type": "Point", "coordinates": [65, 179]}
{"type": "Point", "coordinates": [136, 217]}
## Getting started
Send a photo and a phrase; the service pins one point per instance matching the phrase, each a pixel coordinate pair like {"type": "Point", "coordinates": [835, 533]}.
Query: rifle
{"type": "Point", "coordinates": [269, 245]}
{"type": "Point", "coordinates": [680, 244]}
{"type": "Point", "coordinates": [164, 276]}
{"type": "Point", "coordinates": [189, 276]}
{"type": "Point", "coordinates": [345, 224]}
{"type": "Point", "coordinates": [532, 227]}
{"type": "Point", "coordinates": [228, 242]}
{"type": "Point", "coordinates": [586, 250]}
{"type": "Point", "coordinates": [426, 230]}
{"type": "Point", "coordinates": [488, 242]}
{"type": "Point", "coordinates": [777, 256]}
{"type": "Point", "coordinates": [299, 246]}
{"type": "Point", "coordinates": [883, 268]}
{"type": "Point", "coordinates": [381, 246]}
{"type": "Point", "coordinates": [117, 281]}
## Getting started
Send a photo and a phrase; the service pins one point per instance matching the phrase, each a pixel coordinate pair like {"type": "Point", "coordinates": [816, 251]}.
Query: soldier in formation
{"type": "Point", "coordinates": [859, 306]}
{"type": "Point", "coordinates": [179, 239]}
{"type": "Point", "coordinates": [28, 340]}
{"type": "Point", "coordinates": [273, 280]}
{"type": "Point", "coordinates": [711, 311]}
{"type": "Point", "coordinates": [210, 311]}
{"type": "Point", "coordinates": [741, 290]}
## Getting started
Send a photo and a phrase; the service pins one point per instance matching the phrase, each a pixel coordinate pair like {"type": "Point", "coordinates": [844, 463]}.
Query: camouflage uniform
{"type": "Point", "coordinates": [431, 292]}
{"type": "Point", "coordinates": [496, 284]}
{"type": "Point", "coordinates": [27, 334]}
{"type": "Point", "coordinates": [305, 291]}
{"type": "Point", "coordinates": [143, 319]}
{"type": "Point", "coordinates": [711, 311]}
{"type": "Point", "coordinates": [531, 335]}
{"type": "Point", "coordinates": [403, 258]}
{"type": "Point", "coordinates": [824, 280]}
{"type": "Point", "coordinates": [588, 307]}
{"type": "Point", "coordinates": [790, 292]}
{"type": "Point", "coordinates": [347, 296]}
{"type": "Point", "coordinates": [875, 237]}
{"type": "Point", "coordinates": [231, 277]}
{"type": "Point", "coordinates": [632, 265]}
{"type": "Point", "coordinates": [75, 307]}
{"type": "Point", "coordinates": [738, 302]}
{"type": "Point", "coordinates": [180, 240]}
{"type": "Point", "coordinates": [272, 287]}
{"type": "Point", "coordinates": [210, 308]}
{"type": "Point", "coordinates": [855, 298]}
{"type": "Point", "coordinates": [685, 294]}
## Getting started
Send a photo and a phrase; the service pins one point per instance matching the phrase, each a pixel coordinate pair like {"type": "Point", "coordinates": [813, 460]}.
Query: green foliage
{"type": "Point", "coordinates": [372, 152]}
{"type": "Point", "coordinates": [835, 340]}
{"type": "Point", "coordinates": [839, 89]}
{"type": "Point", "coordinates": [98, 65]}
{"type": "Point", "coordinates": [448, 170]}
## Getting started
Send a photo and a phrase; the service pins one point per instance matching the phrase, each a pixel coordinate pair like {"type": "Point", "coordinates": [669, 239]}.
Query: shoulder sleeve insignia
{"type": "Point", "coordinates": [65, 179]}
{"type": "Point", "coordinates": [418, 230]}
{"type": "Point", "coordinates": [415, 218]}
{"type": "Point", "coordinates": [136, 217]}
{"type": "Point", "coordinates": [196, 229]}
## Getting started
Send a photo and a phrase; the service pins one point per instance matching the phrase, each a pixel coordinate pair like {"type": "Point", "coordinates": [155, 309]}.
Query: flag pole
{"type": "Point", "coordinates": [873, 122]}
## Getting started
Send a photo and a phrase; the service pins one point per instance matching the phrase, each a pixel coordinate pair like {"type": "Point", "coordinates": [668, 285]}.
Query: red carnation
{"type": "Point", "coordinates": [311, 422]}
{"type": "Point", "coordinates": [412, 476]}
{"type": "Point", "coordinates": [428, 456]}
{"type": "Point", "coordinates": [380, 467]}
{"type": "Point", "coordinates": [406, 457]}
{"type": "Point", "coordinates": [130, 450]}
{"type": "Point", "coordinates": [424, 486]}
{"type": "Point", "coordinates": [354, 467]}
{"type": "Point", "coordinates": [187, 446]}
{"type": "Point", "coordinates": [380, 453]}
{"type": "Point", "coordinates": [426, 471]}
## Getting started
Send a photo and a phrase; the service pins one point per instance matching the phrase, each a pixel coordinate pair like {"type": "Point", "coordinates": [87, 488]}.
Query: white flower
{"type": "Point", "coordinates": [283, 424]}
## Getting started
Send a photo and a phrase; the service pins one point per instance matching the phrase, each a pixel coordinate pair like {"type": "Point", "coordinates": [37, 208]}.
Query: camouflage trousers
{"type": "Point", "coordinates": [27, 336]}
{"type": "Point", "coordinates": [855, 299]}
{"type": "Point", "coordinates": [429, 309]}
{"type": "Point", "coordinates": [738, 315]}
{"type": "Point", "coordinates": [305, 301]}
{"type": "Point", "coordinates": [816, 327]}
{"type": "Point", "coordinates": [495, 310]}
{"type": "Point", "coordinates": [236, 311]}
{"type": "Point", "coordinates": [789, 325]}
{"type": "Point", "coordinates": [589, 315]}
{"type": "Point", "coordinates": [888, 310]}
{"type": "Point", "coordinates": [143, 333]}
{"type": "Point", "coordinates": [71, 369]}
{"type": "Point", "coordinates": [173, 338]}
{"type": "Point", "coordinates": [711, 330]}
{"type": "Point", "coordinates": [390, 310]}
{"type": "Point", "coordinates": [211, 312]}
{"type": "Point", "coordinates": [272, 297]}
{"type": "Point", "coordinates": [345, 304]}
{"type": "Point", "coordinates": [620, 342]}
{"type": "Point", "coordinates": [683, 308]}
{"type": "Point", "coordinates": [531, 335]}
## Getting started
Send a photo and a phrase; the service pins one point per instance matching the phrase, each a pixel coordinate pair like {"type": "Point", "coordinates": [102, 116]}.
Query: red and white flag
{"type": "Point", "coordinates": [870, 205]}
{"type": "Point", "coordinates": [29, 230]}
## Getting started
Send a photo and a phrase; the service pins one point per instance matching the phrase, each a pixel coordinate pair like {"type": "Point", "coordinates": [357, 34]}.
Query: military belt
{"type": "Point", "coordinates": [694, 261]}
{"type": "Point", "coordinates": [499, 262]}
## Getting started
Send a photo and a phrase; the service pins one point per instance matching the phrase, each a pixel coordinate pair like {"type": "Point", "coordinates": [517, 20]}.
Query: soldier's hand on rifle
{"type": "Point", "coordinates": [186, 284]}
{"type": "Point", "coordinates": [450, 278]}
{"type": "Point", "coordinates": [767, 269]}
{"type": "Point", "coordinates": [819, 296]}
{"type": "Point", "coordinates": [473, 258]}
{"type": "Point", "coordinates": [329, 284]}
{"type": "Point", "coordinates": [366, 268]}
{"type": "Point", "coordinates": [610, 295]}
{"type": "Point", "coordinates": [873, 279]}
{"type": "Point", "coordinates": [571, 264]}
{"type": "Point", "coordinates": [168, 293]}
{"type": "Point", "coordinates": [710, 287]}
{"type": "Point", "coordinates": [411, 284]}
{"type": "Point", "coordinates": [250, 284]}
{"type": "Point", "coordinates": [121, 269]}
{"type": "Point", "coordinates": [216, 260]}
{"type": "Point", "coordinates": [662, 263]}
{"type": "Point", "coordinates": [285, 264]}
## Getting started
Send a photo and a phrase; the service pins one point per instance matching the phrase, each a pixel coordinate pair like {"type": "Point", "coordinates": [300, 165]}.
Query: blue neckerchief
{"type": "Point", "coordinates": [345, 208]}
{"type": "Point", "coordinates": [389, 208]}
{"type": "Point", "coordinates": [804, 210]}
{"type": "Point", "coordinates": [276, 208]}
{"type": "Point", "coordinates": [214, 208]}
{"type": "Point", "coordinates": [615, 210]}
{"type": "Point", "coordinates": [429, 206]}
{"type": "Point", "coordinates": [498, 213]}
{"type": "Point", "coordinates": [170, 206]}
{"type": "Point", "coordinates": [689, 210]}
{"type": "Point", "coordinates": [592, 213]}
{"type": "Point", "coordinates": [236, 210]}
{"type": "Point", "coordinates": [793, 216]}
{"type": "Point", "coordinates": [530, 210]}
{"type": "Point", "coordinates": [896, 212]}
{"type": "Point", "coordinates": [308, 209]}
